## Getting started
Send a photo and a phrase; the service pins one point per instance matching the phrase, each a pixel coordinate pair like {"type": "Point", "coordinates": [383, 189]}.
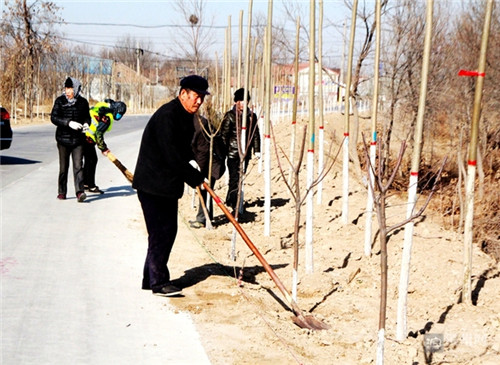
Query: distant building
{"type": "Point", "coordinates": [284, 76]}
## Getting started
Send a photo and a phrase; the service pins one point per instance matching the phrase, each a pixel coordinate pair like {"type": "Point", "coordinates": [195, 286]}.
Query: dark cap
{"type": "Point", "coordinates": [68, 82]}
{"type": "Point", "coordinates": [239, 95]}
{"type": "Point", "coordinates": [195, 83]}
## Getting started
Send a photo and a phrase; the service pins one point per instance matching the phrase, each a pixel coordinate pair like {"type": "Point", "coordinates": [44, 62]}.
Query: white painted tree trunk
{"type": "Point", "coordinates": [369, 200]}
{"type": "Point", "coordinates": [345, 180]}
{"type": "Point", "coordinates": [380, 346]}
{"type": "Point", "coordinates": [469, 217]}
{"type": "Point", "coordinates": [404, 279]}
{"type": "Point", "coordinates": [309, 214]}
{"type": "Point", "coordinates": [267, 186]}
{"type": "Point", "coordinates": [261, 132]}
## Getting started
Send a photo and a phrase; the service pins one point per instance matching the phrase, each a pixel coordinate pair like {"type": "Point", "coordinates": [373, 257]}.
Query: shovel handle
{"type": "Point", "coordinates": [128, 175]}
{"type": "Point", "coordinates": [254, 249]}
{"type": "Point", "coordinates": [205, 210]}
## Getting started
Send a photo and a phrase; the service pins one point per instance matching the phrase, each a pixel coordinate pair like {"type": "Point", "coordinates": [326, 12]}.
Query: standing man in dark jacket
{"type": "Point", "coordinates": [164, 164]}
{"type": "Point", "coordinates": [201, 150]}
{"type": "Point", "coordinates": [231, 136]}
{"type": "Point", "coordinates": [70, 114]}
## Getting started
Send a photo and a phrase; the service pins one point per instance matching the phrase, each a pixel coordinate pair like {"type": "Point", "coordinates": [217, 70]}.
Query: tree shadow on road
{"type": "Point", "coordinates": [9, 160]}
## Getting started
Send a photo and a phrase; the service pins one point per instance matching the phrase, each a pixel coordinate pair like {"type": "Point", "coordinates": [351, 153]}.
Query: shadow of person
{"type": "Point", "coordinates": [198, 274]}
{"type": "Point", "coordinates": [112, 192]}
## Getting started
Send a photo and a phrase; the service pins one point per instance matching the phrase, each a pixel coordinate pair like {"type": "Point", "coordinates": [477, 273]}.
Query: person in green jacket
{"type": "Point", "coordinates": [102, 116]}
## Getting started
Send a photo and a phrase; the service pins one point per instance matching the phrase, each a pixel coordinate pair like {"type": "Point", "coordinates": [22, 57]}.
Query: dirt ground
{"type": "Point", "coordinates": [248, 321]}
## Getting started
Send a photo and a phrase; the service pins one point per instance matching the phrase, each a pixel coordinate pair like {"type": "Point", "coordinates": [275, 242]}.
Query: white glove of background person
{"type": "Point", "coordinates": [75, 125]}
{"type": "Point", "coordinates": [194, 164]}
{"type": "Point", "coordinates": [257, 155]}
{"type": "Point", "coordinates": [85, 128]}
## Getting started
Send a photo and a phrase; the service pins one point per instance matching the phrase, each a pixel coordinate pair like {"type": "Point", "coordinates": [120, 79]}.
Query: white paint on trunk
{"type": "Point", "coordinates": [309, 214]}
{"type": "Point", "coordinates": [369, 202]}
{"type": "Point", "coordinates": [404, 279]}
{"type": "Point", "coordinates": [469, 218]}
{"type": "Point", "coordinates": [267, 186]}
{"type": "Point", "coordinates": [345, 181]}
{"type": "Point", "coordinates": [380, 346]}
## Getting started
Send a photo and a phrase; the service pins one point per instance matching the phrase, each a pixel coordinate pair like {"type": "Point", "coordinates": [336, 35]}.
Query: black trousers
{"type": "Point", "coordinates": [200, 217]}
{"type": "Point", "coordinates": [76, 154]}
{"type": "Point", "coordinates": [233, 166]}
{"type": "Point", "coordinates": [160, 215]}
{"type": "Point", "coordinates": [89, 164]}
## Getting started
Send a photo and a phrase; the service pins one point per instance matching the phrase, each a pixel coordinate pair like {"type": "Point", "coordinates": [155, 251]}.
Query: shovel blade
{"type": "Point", "coordinates": [309, 322]}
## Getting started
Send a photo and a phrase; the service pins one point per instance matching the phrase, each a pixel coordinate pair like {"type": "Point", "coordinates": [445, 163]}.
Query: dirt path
{"type": "Point", "coordinates": [248, 322]}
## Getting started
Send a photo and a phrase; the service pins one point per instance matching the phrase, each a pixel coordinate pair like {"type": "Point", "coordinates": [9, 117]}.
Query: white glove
{"type": "Point", "coordinates": [257, 155]}
{"type": "Point", "coordinates": [194, 164]}
{"type": "Point", "coordinates": [85, 128]}
{"type": "Point", "coordinates": [75, 125]}
{"type": "Point", "coordinates": [202, 187]}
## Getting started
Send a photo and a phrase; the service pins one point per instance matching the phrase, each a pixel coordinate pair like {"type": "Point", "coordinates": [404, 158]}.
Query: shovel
{"type": "Point", "coordinates": [208, 223]}
{"type": "Point", "coordinates": [301, 320]}
{"type": "Point", "coordinates": [123, 169]}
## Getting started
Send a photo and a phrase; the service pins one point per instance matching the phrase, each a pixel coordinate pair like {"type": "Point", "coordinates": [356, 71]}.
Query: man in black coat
{"type": "Point", "coordinates": [231, 133]}
{"type": "Point", "coordinates": [201, 149]}
{"type": "Point", "coordinates": [164, 164]}
{"type": "Point", "coordinates": [70, 114]}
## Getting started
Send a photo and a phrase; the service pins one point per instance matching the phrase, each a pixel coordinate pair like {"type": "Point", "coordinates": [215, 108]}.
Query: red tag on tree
{"type": "Point", "coordinates": [471, 73]}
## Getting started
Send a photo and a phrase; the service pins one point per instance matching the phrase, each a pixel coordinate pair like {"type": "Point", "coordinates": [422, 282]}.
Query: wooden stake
{"type": "Point", "coordinates": [471, 168]}
{"type": "Point", "coordinates": [347, 110]}
{"type": "Point", "coordinates": [373, 145]}
{"type": "Point", "coordinates": [412, 189]}
{"type": "Point", "coordinates": [267, 122]}
{"type": "Point", "coordinates": [310, 150]}
{"type": "Point", "coordinates": [321, 131]}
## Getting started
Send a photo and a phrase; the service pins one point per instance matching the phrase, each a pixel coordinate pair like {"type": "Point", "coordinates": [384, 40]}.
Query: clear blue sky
{"type": "Point", "coordinates": [162, 12]}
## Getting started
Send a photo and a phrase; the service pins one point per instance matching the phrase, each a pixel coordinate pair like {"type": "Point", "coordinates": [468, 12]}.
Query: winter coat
{"type": "Point", "coordinates": [62, 113]}
{"type": "Point", "coordinates": [102, 122]}
{"type": "Point", "coordinates": [201, 149]}
{"type": "Point", "coordinates": [163, 163]}
{"type": "Point", "coordinates": [229, 133]}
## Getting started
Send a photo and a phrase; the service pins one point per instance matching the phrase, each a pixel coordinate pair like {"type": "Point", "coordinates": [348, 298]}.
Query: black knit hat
{"type": "Point", "coordinates": [239, 95]}
{"type": "Point", "coordinates": [68, 82]}
{"type": "Point", "coordinates": [195, 83]}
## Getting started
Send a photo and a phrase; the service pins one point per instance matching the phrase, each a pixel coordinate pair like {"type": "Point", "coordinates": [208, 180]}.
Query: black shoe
{"type": "Point", "coordinates": [168, 290]}
{"type": "Point", "coordinates": [95, 189]}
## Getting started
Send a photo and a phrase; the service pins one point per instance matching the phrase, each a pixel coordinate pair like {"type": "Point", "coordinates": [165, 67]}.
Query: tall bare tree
{"type": "Point", "coordinates": [27, 34]}
{"type": "Point", "coordinates": [195, 32]}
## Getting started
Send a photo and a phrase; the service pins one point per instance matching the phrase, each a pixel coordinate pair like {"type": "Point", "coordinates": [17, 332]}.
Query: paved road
{"type": "Point", "coordinates": [71, 272]}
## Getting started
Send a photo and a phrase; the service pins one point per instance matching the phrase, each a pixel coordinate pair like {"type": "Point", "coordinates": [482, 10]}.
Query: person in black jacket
{"type": "Point", "coordinates": [231, 133]}
{"type": "Point", "coordinates": [201, 150]}
{"type": "Point", "coordinates": [70, 114]}
{"type": "Point", "coordinates": [164, 164]}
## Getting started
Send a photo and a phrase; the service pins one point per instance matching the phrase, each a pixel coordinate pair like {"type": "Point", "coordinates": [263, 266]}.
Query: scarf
{"type": "Point", "coordinates": [76, 87]}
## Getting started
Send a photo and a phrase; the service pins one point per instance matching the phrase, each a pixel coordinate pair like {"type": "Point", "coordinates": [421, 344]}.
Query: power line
{"type": "Point", "coordinates": [142, 26]}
